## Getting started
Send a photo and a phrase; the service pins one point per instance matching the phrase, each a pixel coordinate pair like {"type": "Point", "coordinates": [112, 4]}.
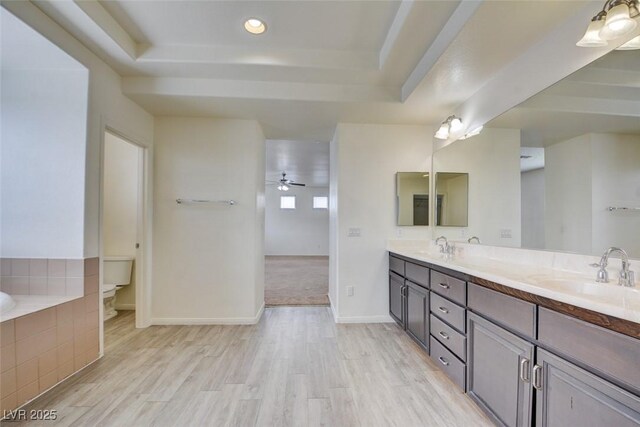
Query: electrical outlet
{"type": "Point", "coordinates": [350, 291]}
{"type": "Point", "coordinates": [505, 233]}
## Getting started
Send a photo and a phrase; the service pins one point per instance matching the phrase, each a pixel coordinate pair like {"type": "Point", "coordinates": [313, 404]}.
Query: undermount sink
{"type": "Point", "coordinates": [6, 302]}
{"type": "Point", "coordinates": [611, 289]}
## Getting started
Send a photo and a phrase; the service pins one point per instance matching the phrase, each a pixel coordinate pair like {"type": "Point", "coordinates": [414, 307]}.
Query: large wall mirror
{"type": "Point", "coordinates": [412, 196]}
{"type": "Point", "coordinates": [561, 171]}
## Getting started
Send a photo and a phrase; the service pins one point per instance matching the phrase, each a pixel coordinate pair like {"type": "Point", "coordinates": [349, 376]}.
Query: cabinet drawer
{"type": "Point", "coordinates": [449, 337]}
{"type": "Point", "coordinates": [450, 287]}
{"type": "Point", "coordinates": [417, 274]}
{"type": "Point", "coordinates": [608, 352]}
{"type": "Point", "coordinates": [455, 369]}
{"type": "Point", "coordinates": [451, 313]}
{"type": "Point", "coordinates": [396, 264]}
{"type": "Point", "coordinates": [510, 312]}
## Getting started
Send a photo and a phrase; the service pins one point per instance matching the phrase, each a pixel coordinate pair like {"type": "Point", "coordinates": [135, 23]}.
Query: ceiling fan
{"type": "Point", "coordinates": [284, 183]}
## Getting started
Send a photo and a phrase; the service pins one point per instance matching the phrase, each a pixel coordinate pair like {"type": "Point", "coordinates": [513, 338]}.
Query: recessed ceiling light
{"type": "Point", "coordinates": [255, 26]}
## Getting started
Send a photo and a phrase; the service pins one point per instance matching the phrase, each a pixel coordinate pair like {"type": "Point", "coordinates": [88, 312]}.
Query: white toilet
{"type": "Point", "coordinates": [117, 273]}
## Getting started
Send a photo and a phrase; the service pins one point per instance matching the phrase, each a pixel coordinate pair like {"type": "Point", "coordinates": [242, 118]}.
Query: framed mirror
{"type": "Point", "coordinates": [452, 199]}
{"type": "Point", "coordinates": [412, 197]}
{"type": "Point", "coordinates": [560, 171]}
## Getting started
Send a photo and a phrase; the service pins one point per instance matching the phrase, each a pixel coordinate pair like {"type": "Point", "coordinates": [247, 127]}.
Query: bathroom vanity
{"type": "Point", "coordinates": [526, 358]}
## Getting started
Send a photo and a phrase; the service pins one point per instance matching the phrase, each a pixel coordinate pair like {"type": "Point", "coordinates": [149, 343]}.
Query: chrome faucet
{"type": "Point", "coordinates": [626, 276]}
{"type": "Point", "coordinates": [446, 248]}
{"type": "Point", "coordinates": [476, 238]}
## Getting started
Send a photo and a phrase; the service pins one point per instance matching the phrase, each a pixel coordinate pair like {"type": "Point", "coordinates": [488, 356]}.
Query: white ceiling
{"type": "Point", "coordinates": [602, 97]}
{"type": "Point", "coordinates": [320, 62]}
{"type": "Point", "coordinates": [305, 162]}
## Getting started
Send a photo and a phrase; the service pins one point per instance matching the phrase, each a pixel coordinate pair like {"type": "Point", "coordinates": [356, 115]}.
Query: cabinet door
{"type": "Point", "coordinates": [499, 372]}
{"type": "Point", "coordinates": [396, 298]}
{"type": "Point", "coordinates": [418, 313]}
{"type": "Point", "coordinates": [570, 396]}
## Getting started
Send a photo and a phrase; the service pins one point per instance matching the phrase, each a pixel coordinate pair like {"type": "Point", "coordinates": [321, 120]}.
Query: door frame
{"type": "Point", "coordinates": [144, 223]}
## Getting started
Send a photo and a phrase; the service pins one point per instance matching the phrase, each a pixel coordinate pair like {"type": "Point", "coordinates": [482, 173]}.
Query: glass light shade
{"type": "Point", "coordinates": [618, 22]}
{"type": "Point", "coordinates": [632, 44]}
{"type": "Point", "coordinates": [443, 132]}
{"type": "Point", "coordinates": [592, 37]}
{"type": "Point", "coordinates": [456, 125]}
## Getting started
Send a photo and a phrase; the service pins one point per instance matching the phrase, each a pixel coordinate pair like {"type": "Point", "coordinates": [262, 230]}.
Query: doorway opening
{"type": "Point", "coordinates": [297, 223]}
{"type": "Point", "coordinates": [122, 233]}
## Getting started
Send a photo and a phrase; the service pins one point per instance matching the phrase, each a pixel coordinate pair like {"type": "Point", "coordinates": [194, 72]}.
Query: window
{"type": "Point", "coordinates": [287, 202]}
{"type": "Point", "coordinates": [320, 202]}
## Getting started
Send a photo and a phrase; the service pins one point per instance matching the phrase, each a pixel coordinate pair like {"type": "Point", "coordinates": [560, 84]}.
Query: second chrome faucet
{"type": "Point", "coordinates": [627, 278]}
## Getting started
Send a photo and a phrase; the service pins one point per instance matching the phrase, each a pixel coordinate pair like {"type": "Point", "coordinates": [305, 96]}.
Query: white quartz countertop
{"type": "Point", "coordinates": [27, 304]}
{"type": "Point", "coordinates": [564, 286]}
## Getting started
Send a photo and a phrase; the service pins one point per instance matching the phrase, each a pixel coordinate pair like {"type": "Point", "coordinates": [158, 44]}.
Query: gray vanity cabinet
{"type": "Point", "coordinates": [570, 396]}
{"type": "Point", "coordinates": [499, 367]}
{"type": "Point", "coordinates": [418, 313]}
{"type": "Point", "coordinates": [397, 289]}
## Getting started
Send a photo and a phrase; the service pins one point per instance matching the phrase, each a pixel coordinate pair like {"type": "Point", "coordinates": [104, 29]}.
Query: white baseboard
{"type": "Point", "coordinates": [364, 319]}
{"type": "Point", "coordinates": [209, 320]}
{"type": "Point", "coordinates": [125, 307]}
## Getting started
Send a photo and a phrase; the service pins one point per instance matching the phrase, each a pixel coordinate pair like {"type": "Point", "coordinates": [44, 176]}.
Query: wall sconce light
{"type": "Point", "coordinates": [616, 19]}
{"type": "Point", "coordinates": [450, 127]}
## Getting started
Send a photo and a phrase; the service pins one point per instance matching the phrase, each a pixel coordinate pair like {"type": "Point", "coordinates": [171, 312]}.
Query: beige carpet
{"type": "Point", "coordinates": [296, 280]}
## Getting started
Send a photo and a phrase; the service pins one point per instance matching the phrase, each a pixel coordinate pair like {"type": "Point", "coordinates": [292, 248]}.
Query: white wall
{"type": "Point", "coordinates": [120, 210]}
{"type": "Point", "coordinates": [532, 208]}
{"type": "Point", "coordinates": [300, 231]}
{"type": "Point", "coordinates": [208, 261]}
{"type": "Point", "coordinates": [44, 110]}
{"type": "Point", "coordinates": [616, 182]}
{"type": "Point", "coordinates": [492, 160]}
{"type": "Point", "coordinates": [364, 160]}
{"type": "Point", "coordinates": [568, 185]}
{"type": "Point", "coordinates": [107, 106]}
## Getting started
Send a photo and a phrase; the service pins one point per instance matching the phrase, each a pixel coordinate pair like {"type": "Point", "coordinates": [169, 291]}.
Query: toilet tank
{"type": "Point", "coordinates": [117, 270]}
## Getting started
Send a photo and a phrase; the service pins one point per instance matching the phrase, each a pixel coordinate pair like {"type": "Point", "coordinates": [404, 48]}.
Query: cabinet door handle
{"type": "Point", "coordinates": [537, 377]}
{"type": "Point", "coordinates": [443, 335]}
{"type": "Point", "coordinates": [444, 310]}
{"type": "Point", "coordinates": [444, 285]}
{"type": "Point", "coordinates": [524, 370]}
{"type": "Point", "coordinates": [444, 361]}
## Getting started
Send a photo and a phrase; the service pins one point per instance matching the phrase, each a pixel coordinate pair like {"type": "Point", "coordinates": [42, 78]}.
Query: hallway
{"type": "Point", "coordinates": [296, 367]}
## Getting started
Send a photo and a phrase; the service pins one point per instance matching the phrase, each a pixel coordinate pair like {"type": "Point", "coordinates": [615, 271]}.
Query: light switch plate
{"type": "Point", "coordinates": [505, 233]}
{"type": "Point", "coordinates": [354, 232]}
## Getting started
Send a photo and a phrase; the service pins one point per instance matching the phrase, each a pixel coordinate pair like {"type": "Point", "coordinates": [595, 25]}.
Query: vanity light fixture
{"type": "Point", "coordinates": [255, 26]}
{"type": "Point", "coordinates": [450, 127]}
{"type": "Point", "coordinates": [616, 19]}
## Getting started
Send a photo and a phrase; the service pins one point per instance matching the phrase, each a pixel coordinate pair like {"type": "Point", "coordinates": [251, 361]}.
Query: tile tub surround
{"type": "Point", "coordinates": [40, 276]}
{"type": "Point", "coordinates": [41, 349]}
{"type": "Point", "coordinates": [537, 272]}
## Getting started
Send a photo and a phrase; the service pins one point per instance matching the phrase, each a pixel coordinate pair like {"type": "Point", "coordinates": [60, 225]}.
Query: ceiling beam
{"type": "Point", "coordinates": [285, 91]}
{"type": "Point", "coordinates": [303, 58]}
{"type": "Point", "coordinates": [584, 105]}
{"type": "Point", "coordinates": [449, 32]}
{"type": "Point", "coordinates": [109, 25]}
{"type": "Point", "coordinates": [394, 31]}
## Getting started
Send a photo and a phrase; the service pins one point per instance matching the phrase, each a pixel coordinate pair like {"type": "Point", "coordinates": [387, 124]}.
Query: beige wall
{"type": "Point", "coordinates": [364, 161]}
{"type": "Point", "coordinates": [120, 232]}
{"type": "Point", "coordinates": [208, 263]}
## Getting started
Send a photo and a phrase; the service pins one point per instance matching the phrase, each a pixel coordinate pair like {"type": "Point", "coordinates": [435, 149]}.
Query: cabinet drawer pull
{"type": "Point", "coordinates": [443, 335]}
{"type": "Point", "coordinates": [444, 285]}
{"type": "Point", "coordinates": [537, 377]}
{"type": "Point", "coordinates": [444, 361]}
{"type": "Point", "coordinates": [524, 370]}
{"type": "Point", "coordinates": [444, 310]}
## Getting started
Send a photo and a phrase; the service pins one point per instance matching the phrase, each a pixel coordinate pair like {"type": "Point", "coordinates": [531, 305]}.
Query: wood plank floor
{"type": "Point", "coordinates": [296, 280]}
{"type": "Point", "coordinates": [295, 368]}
